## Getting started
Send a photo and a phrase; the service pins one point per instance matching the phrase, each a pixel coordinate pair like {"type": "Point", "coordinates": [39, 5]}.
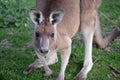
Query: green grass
{"type": "Point", "coordinates": [15, 56]}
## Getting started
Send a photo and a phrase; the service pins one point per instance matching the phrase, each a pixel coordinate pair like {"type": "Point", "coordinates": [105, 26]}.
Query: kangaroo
{"type": "Point", "coordinates": [56, 23]}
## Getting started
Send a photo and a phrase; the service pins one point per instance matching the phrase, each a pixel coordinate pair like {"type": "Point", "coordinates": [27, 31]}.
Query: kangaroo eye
{"type": "Point", "coordinates": [52, 35]}
{"type": "Point", "coordinates": [37, 34]}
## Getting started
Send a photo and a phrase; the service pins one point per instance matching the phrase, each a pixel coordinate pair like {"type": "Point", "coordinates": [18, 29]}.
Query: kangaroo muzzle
{"type": "Point", "coordinates": [44, 45]}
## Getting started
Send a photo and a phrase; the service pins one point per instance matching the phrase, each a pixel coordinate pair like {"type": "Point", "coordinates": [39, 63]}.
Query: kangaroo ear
{"type": "Point", "coordinates": [56, 17]}
{"type": "Point", "coordinates": [36, 16]}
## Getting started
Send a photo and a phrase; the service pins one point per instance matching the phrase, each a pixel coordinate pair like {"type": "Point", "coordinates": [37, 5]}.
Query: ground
{"type": "Point", "coordinates": [15, 56]}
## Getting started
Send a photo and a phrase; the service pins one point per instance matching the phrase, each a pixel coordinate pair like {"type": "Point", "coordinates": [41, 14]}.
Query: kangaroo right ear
{"type": "Point", "coordinates": [36, 16]}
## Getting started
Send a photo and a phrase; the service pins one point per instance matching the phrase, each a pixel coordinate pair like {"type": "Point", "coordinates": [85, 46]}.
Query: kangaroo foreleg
{"type": "Point", "coordinates": [50, 59]}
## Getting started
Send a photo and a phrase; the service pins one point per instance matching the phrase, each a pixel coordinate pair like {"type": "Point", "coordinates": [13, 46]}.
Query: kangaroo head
{"type": "Point", "coordinates": [45, 33]}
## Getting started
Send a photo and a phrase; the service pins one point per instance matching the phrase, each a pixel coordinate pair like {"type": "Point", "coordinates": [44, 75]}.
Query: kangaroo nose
{"type": "Point", "coordinates": [43, 51]}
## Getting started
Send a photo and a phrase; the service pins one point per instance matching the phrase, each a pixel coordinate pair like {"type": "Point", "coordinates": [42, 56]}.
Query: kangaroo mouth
{"type": "Point", "coordinates": [41, 53]}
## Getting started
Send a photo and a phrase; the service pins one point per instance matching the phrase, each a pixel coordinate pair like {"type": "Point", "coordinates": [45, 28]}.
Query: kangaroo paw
{"type": "Point", "coordinates": [28, 70]}
{"type": "Point", "coordinates": [47, 74]}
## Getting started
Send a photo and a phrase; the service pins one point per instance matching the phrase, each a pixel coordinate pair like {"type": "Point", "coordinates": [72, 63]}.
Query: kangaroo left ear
{"type": "Point", "coordinates": [56, 17]}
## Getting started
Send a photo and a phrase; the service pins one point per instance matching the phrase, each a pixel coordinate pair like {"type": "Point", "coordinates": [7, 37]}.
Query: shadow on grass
{"type": "Point", "coordinates": [2, 77]}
